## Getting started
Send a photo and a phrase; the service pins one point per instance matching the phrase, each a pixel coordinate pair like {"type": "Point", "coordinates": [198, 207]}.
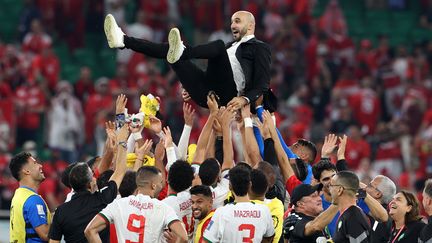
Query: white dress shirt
{"type": "Point", "coordinates": [239, 77]}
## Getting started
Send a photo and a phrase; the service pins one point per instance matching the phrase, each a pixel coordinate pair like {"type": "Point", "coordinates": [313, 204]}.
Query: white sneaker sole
{"type": "Point", "coordinates": [175, 46]}
{"type": "Point", "coordinates": [110, 28]}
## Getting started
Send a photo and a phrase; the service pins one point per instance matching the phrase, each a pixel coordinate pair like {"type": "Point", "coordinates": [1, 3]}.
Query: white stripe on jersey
{"type": "Point", "coordinates": [182, 205]}
{"type": "Point", "coordinates": [139, 216]}
{"type": "Point", "coordinates": [240, 222]}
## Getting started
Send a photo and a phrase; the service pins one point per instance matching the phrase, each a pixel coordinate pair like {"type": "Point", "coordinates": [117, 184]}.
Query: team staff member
{"type": "Point", "coordinates": [202, 202]}
{"type": "Point", "coordinates": [71, 218]}
{"type": "Point", "coordinates": [405, 211]}
{"type": "Point", "coordinates": [426, 233]}
{"type": "Point", "coordinates": [382, 189]}
{"type": "Point", "coordinates": [307, 222]}
{"type": "Point", "coordinates": [29, 214]}
{"type": "Point", "coordinates": [352, 224]}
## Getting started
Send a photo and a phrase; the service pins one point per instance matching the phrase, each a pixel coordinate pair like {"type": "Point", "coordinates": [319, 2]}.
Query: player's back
{"type": "Point", "coordinates": [240, 222]}
{"type": "Point", "coordinates": [139, 218]}
{"type": "Point", "coordinates": [182, 205]}
{"type": "Point", "coordinates": [221, 190]}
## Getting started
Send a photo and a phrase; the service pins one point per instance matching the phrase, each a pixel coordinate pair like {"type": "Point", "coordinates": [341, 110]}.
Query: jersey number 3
{"type": "Point", "coordinates": [251, 229]}
{"type": "Point", "coordinates": [132, 228]}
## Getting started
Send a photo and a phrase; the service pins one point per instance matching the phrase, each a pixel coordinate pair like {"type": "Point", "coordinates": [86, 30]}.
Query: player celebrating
{"type": "Point", "coordinates": [202, 202]}
{"type": "Point", "coordinates": [241, 221]}
{"type": "Point", "coordinates": [180, 176]}
{"type": "Point", "coordinates": [140, 217]}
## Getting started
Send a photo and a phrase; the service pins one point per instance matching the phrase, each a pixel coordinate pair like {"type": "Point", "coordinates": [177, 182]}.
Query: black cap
{"type": "Point", "coordinates": [303, 190]}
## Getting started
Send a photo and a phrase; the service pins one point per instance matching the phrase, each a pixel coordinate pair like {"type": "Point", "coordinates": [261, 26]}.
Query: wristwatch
{"type": "Point", "coordinates": [361, 193]}
{"type": "Point", "coordinates": [123, 144]}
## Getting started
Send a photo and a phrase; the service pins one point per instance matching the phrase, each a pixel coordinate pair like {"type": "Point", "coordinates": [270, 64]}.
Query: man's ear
{"type": "Point", "coordinates": [379, 194]}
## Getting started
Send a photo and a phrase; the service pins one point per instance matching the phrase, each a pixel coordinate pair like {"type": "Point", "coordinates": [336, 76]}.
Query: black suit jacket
{"type": "Point", "coordinates": [255, 59]}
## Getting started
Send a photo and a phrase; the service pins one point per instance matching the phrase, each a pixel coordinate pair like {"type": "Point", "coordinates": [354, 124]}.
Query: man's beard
{"type": "Point", "coordinates": [242, 33]}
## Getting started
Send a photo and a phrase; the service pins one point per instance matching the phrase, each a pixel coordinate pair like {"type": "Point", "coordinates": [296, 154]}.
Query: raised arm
{"type": "Point", "coordinates": [226, 118]}
{"type": "Point", "coordinates": [206, 131]}
{"type": "Point", "coordinates": [321, 221]}
{"type": "Point", "coordinates": [251, 145]}
{"type": "Point", "coordinates": [284, 163]}
{"type": "Point", "coordinates": [159, 155]}
{"type": "Point", "coordinates": [189, 116]}
{"type": "Point", "coordinates": [140, 152]}
{"type": "Point", "coordinates": [120, 168]}
{"type": "Point", "coordinates": [341, 163]}
{"type": "Point", "coordinates": [169, 148]}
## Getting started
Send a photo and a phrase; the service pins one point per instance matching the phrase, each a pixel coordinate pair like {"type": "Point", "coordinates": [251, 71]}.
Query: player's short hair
{"type": "Point", "coordinates": [239, 178]}
{"type": "Point", "coordinates": [428, 188]}
{"type": "Point", "coordinates": [65, 174]}
{"type": "Point", "coordinates": [17, 162]}
{"type": "Point", "coordinates": [145, 173]}
{"type": "Point", "coordinates": [91, 162]}
{"type": "Point", "coordinates": [103, 178]}
{"type": "Point", "coordinates": [322, 165]}
{"type": "Point", "coordinates": [180, 175]}
{"type": "Point", "coordinates": [387, 187]}
{"type": "Point", "coordinates": [80, 176]}
{"type": "Point", "coordinates": [201, 189]}
{"type": "Point", "coordinates": [209, 171]}
{"type": "Point", "coordinates": [244, 165]}
{"type": "Point", "coordinates": [310, 147]}
{"type": "Point", "coordinates": [300, 169]}
{"type": "Point", "coordinates": [268, 171]}
{"type": "Point", "coordinates": [128, 185]}
{"type": "Point", "coordinates": [259, 182]}
{"type": "Point", "coordinates": [349, 180]}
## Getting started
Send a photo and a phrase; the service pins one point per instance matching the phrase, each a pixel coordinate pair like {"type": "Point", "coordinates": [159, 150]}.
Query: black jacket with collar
{"type": "Point", "coordinates": [254, 57]}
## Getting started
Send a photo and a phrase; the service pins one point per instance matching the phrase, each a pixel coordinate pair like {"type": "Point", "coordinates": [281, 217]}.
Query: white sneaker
{"type": "Point", "coordinates": [176, 46]}
{"type": "Point", "coordinates": [113, 33]}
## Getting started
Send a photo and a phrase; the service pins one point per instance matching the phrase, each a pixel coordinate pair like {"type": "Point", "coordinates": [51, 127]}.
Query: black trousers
{"type": "Point", "coordinates": [217, 77]}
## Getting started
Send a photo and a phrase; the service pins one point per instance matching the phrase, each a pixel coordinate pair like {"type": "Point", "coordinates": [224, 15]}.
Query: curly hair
{"type": "Point", "coordinates": [180, 176]}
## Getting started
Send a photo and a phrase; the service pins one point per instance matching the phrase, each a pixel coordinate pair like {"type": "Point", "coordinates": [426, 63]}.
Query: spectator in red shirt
{"type": "Point", "coordinates": [46, 65]}
{"type": "Point", "coordinates": [366, 106]}
{"type": "Point", "coordinates": [36, 40]}
{"type": "Point", "coordinates": [84, 86]}
{"type": "Point", "coordinates": [156, 12]}
{"type": "Point", "coordinates": [30, 104]}
{"type": "Point", "coordinates": [100, 102]}
{"type": "Point", "coordinates": [358, 150]}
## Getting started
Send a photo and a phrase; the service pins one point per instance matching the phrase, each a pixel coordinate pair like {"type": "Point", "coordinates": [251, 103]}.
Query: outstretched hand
{"type": "Point", "coordinates": [185, 95]}
{"type": "Point", "coordinates": [155, 124]}
{"type": "Point", "coordinates": [188, 114]}
{"type": "Point", "coordinates": [212, 104]}
{"type": "Point", "coordinates": [168, 141]}
{"type": "Point", "coordinates": [227, 116]}
{"type": "Point", "coordinates": [121, 104]}
{"type": "Point", "coordinates": [329, 145]}
{"type": "Point", "coordinates": [342, 147]}
{"type": "Point", "coordinates": [237, 102]}
{"type": "Point", "coordinates": [144, 149]}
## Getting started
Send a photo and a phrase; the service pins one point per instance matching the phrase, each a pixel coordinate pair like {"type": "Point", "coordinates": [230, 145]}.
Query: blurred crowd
{"type": "Point", "coordinates": [378, 95]}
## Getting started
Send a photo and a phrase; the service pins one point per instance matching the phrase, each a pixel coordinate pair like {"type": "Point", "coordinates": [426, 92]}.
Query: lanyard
{"type": "Point", "coordinates": [400, 231]}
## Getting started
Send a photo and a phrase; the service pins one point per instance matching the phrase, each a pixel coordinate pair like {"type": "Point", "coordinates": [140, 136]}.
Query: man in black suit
{"type": "Point", "coordinates": [239, 72]}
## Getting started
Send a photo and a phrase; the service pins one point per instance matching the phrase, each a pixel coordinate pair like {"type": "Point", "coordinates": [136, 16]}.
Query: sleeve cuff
{"type": "Point", "coordinates": [247, 99]}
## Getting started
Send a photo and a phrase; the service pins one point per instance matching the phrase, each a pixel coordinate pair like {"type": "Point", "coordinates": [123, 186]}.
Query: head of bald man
{"type": "Point", "coordinates": [242, 24]}
{"type": "Point", "coordinates": [149, 181]}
